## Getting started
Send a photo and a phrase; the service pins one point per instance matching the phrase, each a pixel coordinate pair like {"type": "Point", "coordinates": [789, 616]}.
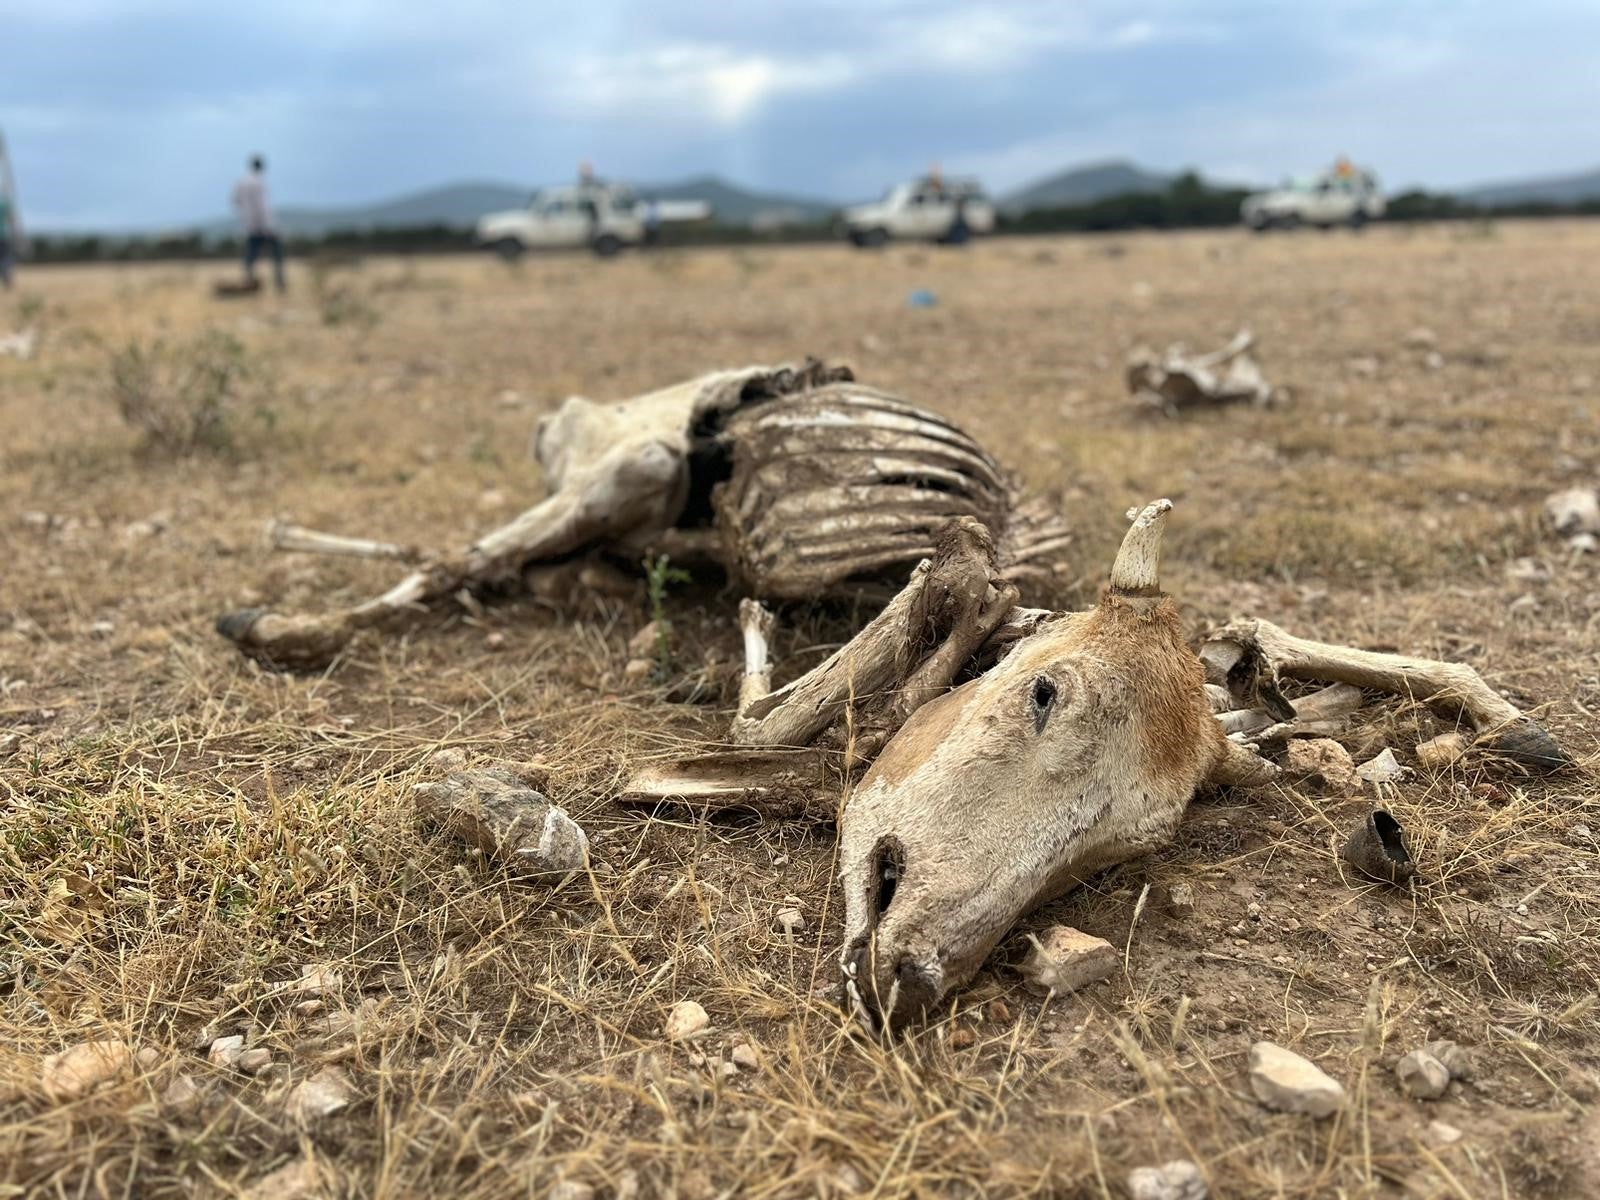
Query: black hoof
{"type": "Point", "coordinates": [236, 626]}
{"type": "Point", "coordinates": [1528, 743]}
{"type": "Point", "coordinates": [1377, 849]}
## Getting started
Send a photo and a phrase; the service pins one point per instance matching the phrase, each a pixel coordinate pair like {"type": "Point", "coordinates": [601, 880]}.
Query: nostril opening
{"type": "Point", "coordinates": [888, 868]}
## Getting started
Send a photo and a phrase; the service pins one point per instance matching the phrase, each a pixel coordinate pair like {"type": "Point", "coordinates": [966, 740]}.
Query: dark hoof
{"type": "Point", "coordinates": [1377, 849]}
{"type": "Point", "coordinates": [236, 626]}
{"type": "Point", "coordinates": [1528, 743]}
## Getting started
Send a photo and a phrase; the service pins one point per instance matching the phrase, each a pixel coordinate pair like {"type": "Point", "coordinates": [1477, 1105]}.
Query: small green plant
{"type": "Point", "coordinates": [181, 397]}
{"type": "Point", "coordinates": [30, 308]}
{"type": "Point", "coordinates": [659, 575]}
{"type": "Point", "coordinates": [340, 301]}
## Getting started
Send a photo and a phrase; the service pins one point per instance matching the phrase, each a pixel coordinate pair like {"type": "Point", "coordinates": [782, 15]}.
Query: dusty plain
{"type": "Point", "coordinates": [181, 832]}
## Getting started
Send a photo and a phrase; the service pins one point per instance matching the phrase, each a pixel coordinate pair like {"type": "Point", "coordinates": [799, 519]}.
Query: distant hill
{"type": "Point", "coordinates": [460, 205]}
{"type": "Point", "coordinates": [1084, 185]}
{"type": "Point", "coordinates": [1565, 189]}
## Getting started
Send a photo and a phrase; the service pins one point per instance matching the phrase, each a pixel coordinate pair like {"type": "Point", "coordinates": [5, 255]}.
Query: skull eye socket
{"type": "Point", "coordinates": [1044, 699]}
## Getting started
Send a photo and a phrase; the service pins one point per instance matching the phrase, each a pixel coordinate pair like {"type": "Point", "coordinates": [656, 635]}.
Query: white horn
{"type": "Point", "coordinates": [1137, 569]}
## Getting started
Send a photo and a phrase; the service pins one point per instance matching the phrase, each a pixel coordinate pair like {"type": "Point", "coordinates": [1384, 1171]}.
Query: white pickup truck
{"type": "Point", "coordinates": [1344, 195]}
{"type": "Point", "coordinates": [602, 216]}
{"type": "Point", "coordinates": [928, 209]}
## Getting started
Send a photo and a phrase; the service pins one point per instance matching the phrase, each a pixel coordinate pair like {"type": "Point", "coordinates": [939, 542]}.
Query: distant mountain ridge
{"type": "Point", "coordinates": [1084, 185]}
{"type": "Point", "coordinates": [1560, 189]}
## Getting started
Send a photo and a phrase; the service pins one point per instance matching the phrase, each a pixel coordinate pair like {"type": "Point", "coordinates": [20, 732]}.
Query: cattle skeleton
{"type": "Point", "coordinates": [1013, 751]}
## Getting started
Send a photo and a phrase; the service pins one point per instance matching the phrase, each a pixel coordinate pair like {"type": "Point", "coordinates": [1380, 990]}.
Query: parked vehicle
{"type": "Point", "coordinates": [1343, 195]}
{"type": "Point", "coordinates": [605, 217]}
{"type": "Point", "coordinates": [928, 209]}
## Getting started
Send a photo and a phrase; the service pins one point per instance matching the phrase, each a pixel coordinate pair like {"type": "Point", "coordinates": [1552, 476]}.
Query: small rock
{"type": "Point", "coordinates": [685, 1020]}
{"type": "Point", "coordinates": [1384, 768]}
{"type": "Point", "coordinates": [1457, 1059]}
{"type": "Point", "coordinates": [790, 921]}
{"type": "Point", "coordinates": [102, 629]}
{"type": "Point", "coordinates": [571, 1189]}
{"type": "Point", "coordinates": [628, 1185]}
{"type": "Point", "coordinates": [1179, 1179]}
{"type": "Point", "coordinates": [302, 1179]}
{"type": "Point", "coordinates": [1442, 751]}
{"type": "Point", "coordinates": [1421, 338]}
{"type": "Point", "coordinates": [643, 644]}
{"type": "Point", "coordinates": [78, 1070]}
{"type": "Point", "coordinates": [1433, 360]}
{"type": "Point", "coordinates": [1323, 760]}
{"type": "Point", "coordinates": [1284, 1081]}
{"type": "Point", "coordinates": [1422, 1076]}
{"type": "Point", "coordinates": [1527, 570]}
{"type": "Point", "coordinates": [1583, 543]}
{"type": "Point", "coordinates": [1066, 959]}
{"type": "Point", "coordinates": [325, 1093]}
{"type": "Point", "coordinates": [182, 1095]}
{"type": "Point", "coordinates": [639, 668]}
{"type": "Point", "coordinates": [961, 1037]}
{"type": "Point", "coordinates": [225, 1051]}
{"type": "Point", "coordinates": [495, 639]}
{"type": "Point", "coordinates": [847, 1181]}
{"type": "Point", "coordinates": [1442, 1133]}
{"type": "Point", "coordinates": [745, 1055]}
{"type": "Point", "coordinates": [254, 1061]}
{"type": "Point", "coordinates": [1180, 900]}
{"type": "Point", "coordinates": [491, 498]}
{"type": "Point", "coordinates": [448, 760]}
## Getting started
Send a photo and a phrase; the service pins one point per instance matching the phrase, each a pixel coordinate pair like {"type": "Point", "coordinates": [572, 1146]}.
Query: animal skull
{"type": "Point", "coordinates": [1080, 749]}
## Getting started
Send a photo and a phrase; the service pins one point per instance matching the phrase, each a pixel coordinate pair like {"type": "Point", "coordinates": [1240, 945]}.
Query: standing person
{"type": "Point", "coordinates": [255, 217]}
{"type": "Point", "coordinates": [7, 240]}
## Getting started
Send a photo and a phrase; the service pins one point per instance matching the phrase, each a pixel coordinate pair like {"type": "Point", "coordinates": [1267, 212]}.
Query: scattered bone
{"type": "Point", "coordinates": [507, 821]}
{"type": "Point", "coordinates": [1179, 1179]}
{"type": "Point", "coordinates": [283, 535]}
{"type": "Point", "coordinates": [1440, 752]}
{"type": "Point", "coordinates": [1326, 761]}
{"type": "Point", "coordinates": [686, 1020]}
{"type": "Point", "coordinates": [325, 1093]}
{"type": "Point", "coordinates": [1176, 380]}
{"type": "Point", "coordinates": [18, 345]}
{"type": "Point", "coordinates": [78, 1070]}
{"type": "Point", "coordinates": [775, 782]}
{"type": "Point", "coordinates": [1377, 849]}
{"type": "Point", "coordinates": [1422, 1076]}
{"type": "Point", "coordinates": [572, 1189]}
{"type": "Point", "coordinates": [1284, 1081]}
{"type": "Point", "coordinates": [1574, 511]}
{"type": "Point", "coordinates": [225, 1051]}
{"type": "Point", "coordinates": [1066, 959]}
{"type": "Point", "coordinates": [1382, 768]}
{"type": "Point", "coordinates": [1265, 653]}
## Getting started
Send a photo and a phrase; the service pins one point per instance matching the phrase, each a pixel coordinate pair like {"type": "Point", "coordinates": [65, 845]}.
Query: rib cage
{"type": "Point", "coordinates": [843, 485]}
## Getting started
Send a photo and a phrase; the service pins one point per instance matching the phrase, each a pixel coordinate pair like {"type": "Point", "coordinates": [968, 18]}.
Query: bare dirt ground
{"type": "Point", "coordinates": [181, 832]}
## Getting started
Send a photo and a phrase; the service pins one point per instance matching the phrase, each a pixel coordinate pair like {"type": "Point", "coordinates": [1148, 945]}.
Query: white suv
{"type": "Point", "coordinates": [1345, 195]}
{"type": "Point", "coordinates": [930, 209]}
{"type": "Point", "coordinates": [603, 216]}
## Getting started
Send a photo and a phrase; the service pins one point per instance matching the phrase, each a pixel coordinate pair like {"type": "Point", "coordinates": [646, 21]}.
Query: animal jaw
{"type": "Point", "coordinates": [1079, 750]}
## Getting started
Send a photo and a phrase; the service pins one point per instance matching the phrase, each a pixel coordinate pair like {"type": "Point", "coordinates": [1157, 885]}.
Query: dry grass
{"type": "Point", "coordinates": [180, 832]}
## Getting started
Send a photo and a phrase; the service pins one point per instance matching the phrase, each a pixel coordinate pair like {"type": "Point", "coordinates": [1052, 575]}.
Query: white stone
{"type": "Point", "coordinates": [571, 1189]}
{"type": "Point", "coordinates": [1323, 759]}
{"type": "Point", "coordinates": [747, 1056]}
{"type": "Point", "coordinates": [1283, 1080]}
{"type": "Point", "coordinates": [325, 1093]}
{"type": "Point", "coordinates": [253, 1062]}
{"type": "Point", "coordinates": [1422, 1076]}
{"type": "Point", "coordinates": [1442, 1133]}
{"type": "Point", "coordinates": [645, 643]}
{"type": "Point", "coordinates": [685, 1020]}
{"type": "Point", "coordinates": [1383, 768]}
{"type": "Point", "coordinates": [225, 1051]}
{"type": "Point", "coordinates": [1179, 1179]}
{"type": "Point", "coordinates": [1576, 510]}
{"type": "Point", "coordinates": [78, 1070]}
{"type": "Point", "coordinates": [790, 920]}
{"type": "Point", "coordinates": [1064, 959]}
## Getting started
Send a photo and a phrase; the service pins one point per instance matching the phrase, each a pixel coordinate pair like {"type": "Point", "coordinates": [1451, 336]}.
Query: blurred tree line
{"type": "Point", "coordinates": [1187, 203]}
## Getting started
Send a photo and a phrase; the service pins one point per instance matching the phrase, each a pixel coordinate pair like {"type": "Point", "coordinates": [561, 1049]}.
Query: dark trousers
{"type": "Point", "coordinates": [7, 257]}
{"type": "Point", "coordinates": [253, 246]}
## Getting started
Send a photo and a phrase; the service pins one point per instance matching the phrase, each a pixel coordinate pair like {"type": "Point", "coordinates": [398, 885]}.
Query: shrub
{"type": "Point", "coordinates": [180, 397]}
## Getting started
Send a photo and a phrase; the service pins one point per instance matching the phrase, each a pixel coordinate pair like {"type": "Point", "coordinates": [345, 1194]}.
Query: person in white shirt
{"type": "Point", "coordinates": [255, 217]}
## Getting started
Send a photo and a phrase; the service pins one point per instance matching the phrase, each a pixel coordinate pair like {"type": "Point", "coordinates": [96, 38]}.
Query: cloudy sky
{"type": "Point", "coordinates": [138, 113]}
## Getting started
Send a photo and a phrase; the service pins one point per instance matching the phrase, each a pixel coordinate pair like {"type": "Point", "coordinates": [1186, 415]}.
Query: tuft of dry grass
{"type": "Point", "coordinates": [182, 835]}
